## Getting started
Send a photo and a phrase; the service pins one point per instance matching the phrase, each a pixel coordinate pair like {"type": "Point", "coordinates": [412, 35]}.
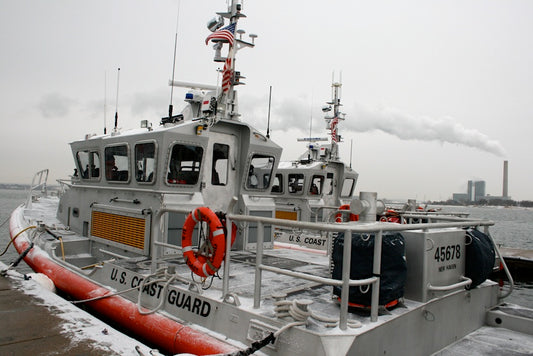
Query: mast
{"type": "Point", "coordinates": [333, 121]}
{"type": "Point", "coordinates": [220, 102]}
{"type": "Point", "coordinates": [230, 77]}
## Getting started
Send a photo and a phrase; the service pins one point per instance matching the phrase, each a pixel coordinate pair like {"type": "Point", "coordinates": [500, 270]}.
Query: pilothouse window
{"type": "Point", "coordinates": [259, 172]}
{"type": "Point", "coordinates": [184, 165]}
{"type": "Point", "coordinates": [296, 183]}
{"type": "Point", "coordinates": [316, 185]}
{"type": "Point", "coordinates": [277, 186]}
{"type": "Point", "coordinates": [117, 163]}
{"type": "Point", "coordinates": [89, 164]}
{"type": "Point", "coordinates": [328, 188]}
{"type": "Point", "coordinates": [219, 170]}
{"type": "Point", "coordinates": [347, 187]}
{"type": "Point", "coordinates": [145, 162]}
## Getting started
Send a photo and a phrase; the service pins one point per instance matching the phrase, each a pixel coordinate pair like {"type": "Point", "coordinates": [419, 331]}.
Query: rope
{"type": "Point", "coordinates": [14, 238]}
{"type": "Point", "coordinates": [139, 287]}
{"type": "Point", "coordinates": [102, 296]}
{"type": "Point", "coordinates": [144, 284]}
{"type": "Point", "coordinates": [285, 308]}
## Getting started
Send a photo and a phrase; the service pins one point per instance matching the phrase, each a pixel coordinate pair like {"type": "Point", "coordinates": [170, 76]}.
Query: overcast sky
{"type": "Point", "coordinates": [436, 93]}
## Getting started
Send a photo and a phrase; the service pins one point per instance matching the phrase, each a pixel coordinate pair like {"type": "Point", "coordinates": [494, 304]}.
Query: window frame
{"type": "Point", "coordinates": [298, 177]}
{"type": "Point", "coordinates": [80, 168]}
{"type": "Point", "coordinates": [169, 181]}
{"type": "Point", "coordinates": [155, 158]}
{"type": "Point", "coordinates": [352, 188]}
{"type": "Point", "coordinates": [106, 165]}
{"type": "Point", "coordinates": [221, 182]}
{"type": "Point", "coordinates": [259, 175]}
{"type": "Point", "coordinates": [320, 187]}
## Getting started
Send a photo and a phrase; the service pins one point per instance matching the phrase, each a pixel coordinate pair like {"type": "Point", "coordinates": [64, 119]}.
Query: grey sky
{"type": "Point", "coordinates": [435, 92]}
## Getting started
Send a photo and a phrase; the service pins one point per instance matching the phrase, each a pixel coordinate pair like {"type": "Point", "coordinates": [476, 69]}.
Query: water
{"type": "Point", "coordinates": [513, 228]}
{"type": "Point", "coordinates": [9, 200]}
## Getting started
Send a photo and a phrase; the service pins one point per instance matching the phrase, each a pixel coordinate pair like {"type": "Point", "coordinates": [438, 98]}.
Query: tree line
{"type": "Point", "coordinates": [487, 202]}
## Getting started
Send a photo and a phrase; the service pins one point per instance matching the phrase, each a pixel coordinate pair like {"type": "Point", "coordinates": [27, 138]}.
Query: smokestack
{"type": "Point", "coordinates": [505, 178]}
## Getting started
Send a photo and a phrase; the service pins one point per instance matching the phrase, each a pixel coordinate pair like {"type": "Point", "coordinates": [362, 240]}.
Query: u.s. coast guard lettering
{"type": "Point", "coordinates": [179, 299]}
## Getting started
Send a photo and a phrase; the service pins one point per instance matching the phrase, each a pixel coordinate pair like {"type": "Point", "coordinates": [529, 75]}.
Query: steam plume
{"type": "Point", "coordinates": [410, 127]}
{"type": "Point", "coordinates": [293, 113]}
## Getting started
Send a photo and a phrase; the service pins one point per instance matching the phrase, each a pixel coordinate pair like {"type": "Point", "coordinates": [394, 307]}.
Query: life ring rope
{"type": "Point", "coordinates": [208, 259]}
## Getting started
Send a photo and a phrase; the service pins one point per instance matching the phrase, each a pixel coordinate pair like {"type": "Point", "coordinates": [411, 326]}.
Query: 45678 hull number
{"type": "Point", "coordinates": [447, 253]}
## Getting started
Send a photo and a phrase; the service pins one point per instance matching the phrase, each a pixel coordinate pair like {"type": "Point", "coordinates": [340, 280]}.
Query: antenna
{"type": "Point", "coordinates": [310, 129]}
{"type": "Point", "coordinates": [268, 121]}
{"type": "Point", "coordinates": [311, 118]}
{"type": "Point", "coordinates": [170, 106]}
{"type": "Point", "coordinates": [340, 89]}
{"type": "Point", "coordinates": [105, 101]}
{"type": "Point", "coordinates": [116, 103]}
{"type": "Point", "coordinates": [351, 152]}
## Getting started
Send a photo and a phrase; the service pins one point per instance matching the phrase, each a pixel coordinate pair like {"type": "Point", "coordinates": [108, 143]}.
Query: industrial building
{"type": "Point", "coordinates": [475, 190]}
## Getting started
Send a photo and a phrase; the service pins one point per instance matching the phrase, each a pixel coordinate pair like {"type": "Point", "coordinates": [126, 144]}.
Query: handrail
{"type": "Point", "coordinates": [68, 183]}
{"type": "Point", "coordinates": [348, 228]}
{"type": "Point", "coordinates": [360, 227]}
{"type": "Point", "coordinates": [465, 282]}
{"type": "Point", "coordinates": [38, 182]}
{"type": "Point", "coordinates": [504, 265]}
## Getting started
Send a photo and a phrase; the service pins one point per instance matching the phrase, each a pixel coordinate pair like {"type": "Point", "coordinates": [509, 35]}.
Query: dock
{"type": "Point", "coordinates": [519, 261]}
{"type": "Point", "coordinates": [35, 321]}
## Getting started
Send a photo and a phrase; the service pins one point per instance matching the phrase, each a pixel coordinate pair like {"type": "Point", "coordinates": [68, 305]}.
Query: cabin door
{"type": "Point", "coordinates": [220, 173]}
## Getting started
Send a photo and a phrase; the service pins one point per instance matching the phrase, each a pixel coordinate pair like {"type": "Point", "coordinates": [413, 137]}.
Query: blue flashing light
{"type": "Point", "coordinates": [189, 96]}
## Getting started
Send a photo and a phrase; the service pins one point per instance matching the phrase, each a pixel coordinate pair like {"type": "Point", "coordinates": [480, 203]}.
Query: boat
{"type": "Point", "coordinates": [168, 232]}
{"type": "Point", "coordinates": [316, 186]}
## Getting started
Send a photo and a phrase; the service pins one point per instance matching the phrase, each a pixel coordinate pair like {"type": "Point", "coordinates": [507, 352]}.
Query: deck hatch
{"type": "Point", "coordinates": [122, 229]}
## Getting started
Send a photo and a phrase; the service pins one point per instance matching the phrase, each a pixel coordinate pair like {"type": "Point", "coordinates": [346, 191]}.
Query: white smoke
{"type": "Point", "coordinates": [410, 127]}
{"type": "Point", "coordinates": [294, 113]}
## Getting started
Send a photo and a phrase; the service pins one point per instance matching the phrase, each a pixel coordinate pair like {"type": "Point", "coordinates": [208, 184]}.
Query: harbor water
{"type": "Point", "coordinates": [513, 228]}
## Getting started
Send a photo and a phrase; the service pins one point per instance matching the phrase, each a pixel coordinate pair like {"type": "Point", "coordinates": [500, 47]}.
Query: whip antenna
{"type": "Point", "coordinates": [269, 102]}
{"type": "Point", "coordinates": [351, 152]}
{"type": "Point", "coordinates": [170, 106]}
{"type": "Point", "coordinates": [116, 103]}
{"type": "Point", "coordinates": [105, 101]}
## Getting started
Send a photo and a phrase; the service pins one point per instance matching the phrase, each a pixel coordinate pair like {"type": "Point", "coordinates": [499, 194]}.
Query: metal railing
{"type": "Point", "coordinates": [348, 228]}
{"type": "Point", "coordinates": [37, 183]}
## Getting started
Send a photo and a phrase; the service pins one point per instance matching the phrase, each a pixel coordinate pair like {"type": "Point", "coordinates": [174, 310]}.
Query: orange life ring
{"type": "Point", "coordinates": [338, 217]}
{"type": "Point", "coordinates": [204, 266]}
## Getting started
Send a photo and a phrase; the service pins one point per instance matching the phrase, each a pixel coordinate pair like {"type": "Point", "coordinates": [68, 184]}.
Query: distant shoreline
{"type": "Point", "coordinates": [14, 186]}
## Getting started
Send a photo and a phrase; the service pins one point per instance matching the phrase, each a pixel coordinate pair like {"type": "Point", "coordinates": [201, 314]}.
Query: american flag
{"type": "Point", "coordinates": [227, 33]}
{"type": "Point", "coordinates": [227, 73]}
{"type": "Point", "coordinates": [333, 128]}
